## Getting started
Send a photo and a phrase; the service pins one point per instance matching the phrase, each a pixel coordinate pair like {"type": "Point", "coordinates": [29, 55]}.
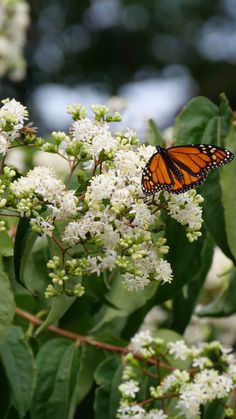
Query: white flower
{"type": "Point", "coordinates": [101, 187]}
{"type": "Point", "coordinates": [141, 343]}
{"type": "Point", "coordinates": [129, 388]}
{"type": "Point", "coordinates": [143, 216]}
{"type": "Point", "coordinates": [15, 108]}
{"type": "Point", "coordinates": [156, 414]}
{"type": "Point", "coordinates": [185, 209]}
{"type": "Point", "coordinates": [84, 130]}
{"type": "Point", "coordinates": [176, 378]}
{"type": "Point", "coordinates": [4, 145]}
{"type": "Point", "coordinates": [66, 205]}
{"type": "Point", "coordinates": [179, 349]}
{"type": "Point", "coordinates": [40, 180]}
{"type": "Point", "coordinates": [213, 385]}
{"type": "Point", "coordinates": [133, 282]}
{"type": "Point", "coordinates": [103, 142]}
{"type": "Point", "coordinates": [46, 228]}
{"type": "Point", "coordinates": [127, 162]}
{"type": "Point", "coordinates": [134, 411]}
{"type": "Point", "coordinates": [189, 402]}
{"type": "Point", "coordinates": [99, 264]}
{"type": "Point", "coordinates": [95, 136]}
{"type": "Point", "coordinates": [163, 271]}
{"type": "Point", "coordinates": [72, 233]}
{"type": "Point", "coordinates": [201, 362]}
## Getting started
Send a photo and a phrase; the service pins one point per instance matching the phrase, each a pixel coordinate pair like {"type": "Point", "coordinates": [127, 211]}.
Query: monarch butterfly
{"type": "Point", "coordinates": [178, 169]}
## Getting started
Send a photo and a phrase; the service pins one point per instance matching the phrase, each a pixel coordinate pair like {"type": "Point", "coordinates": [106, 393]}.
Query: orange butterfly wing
{"type": "Point", "coordinates": [156, 175]}
{"type": "Point", "coordinates": [181, 168]}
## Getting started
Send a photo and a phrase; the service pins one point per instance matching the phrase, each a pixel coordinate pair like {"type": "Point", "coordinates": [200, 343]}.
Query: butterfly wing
{"type": "Point", "coordinates": [181, 168]}
{"type": "Point", "coordinates": [156, 175]}
{"type": "Point", "coordinates": [194, 163]}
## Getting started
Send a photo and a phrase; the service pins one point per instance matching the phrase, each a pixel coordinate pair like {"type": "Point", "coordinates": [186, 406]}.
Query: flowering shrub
{"type": "Point", "coordinates": [108, 214]}
{"type": "Point", "coordinates": [90, 232]}
{"type": "Point", "coordinates": [207, 375]}
{"type": "Point", "coordinates": [14, 20]}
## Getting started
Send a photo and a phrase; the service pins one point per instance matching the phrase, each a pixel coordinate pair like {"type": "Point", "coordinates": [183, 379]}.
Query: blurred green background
{"type": "Point", "coordinates": [154, 54]}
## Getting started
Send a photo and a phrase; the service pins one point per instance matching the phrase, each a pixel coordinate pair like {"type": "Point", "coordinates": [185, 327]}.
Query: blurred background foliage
{"type": "Point", "coordinates": [155, 54]}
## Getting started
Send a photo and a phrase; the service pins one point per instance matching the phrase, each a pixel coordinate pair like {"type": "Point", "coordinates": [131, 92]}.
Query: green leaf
{"type": "Point", "coordinates": [214, 410]}
{"type": "Point", "coordinates": [213, 212]}
{"type": "Point", "coordinates": [35, 271]}
{"type": "Point", "coordinates": [227, 177]}
{"type": "Point", "coordinates": [203, 122]}
{"type": "Point", "coordinates": [97, 288]}
{"type": "Point", "coordinates": [7, 304]}
{"type": "Point", "coordinates": [89, 360]}
{"type": "Point", "coordinates": [24, 243]}
{"type": "Point", "coordinates": [184, 257]}
{"type": "Point", "coordinates": [6, 245]}
{"type": "Point", "coordinates": [194, 123]}
{"type": "Point", "coordinates": [155, 134]}
{"type": "Point", "coordinates": [59, 307]}
{"type": "Point", "coordinates": [184, 302]}
{"type": "Point", "coordinates": [17, 360]}
{"type": "Point", "coordinates": [225, 303]}
{"type": "Point", "coordinates": [56, 368]}
{"type": "Point", "coordinates": [108, 377]}
{"type": "Point", "coordinates": [4, 394]}
{"type": "Point", "coordinates": [125, 302]}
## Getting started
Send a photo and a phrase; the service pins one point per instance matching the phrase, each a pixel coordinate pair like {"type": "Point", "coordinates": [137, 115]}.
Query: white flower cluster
{"type": "Point", "coordinates": [137, 412]}
{"type": "Point", "coordinates": [211, 376]}
{"type": "Point", "coordinates": [39, 187]}
{"type": "Point", "coordinates": [106, 211]}
{"type": "Point", "coordinates": [12, 118]}
{"type": "Point", "coordinates": [185, 209]}
{"type": "Point", "coordinates": [14, 20]}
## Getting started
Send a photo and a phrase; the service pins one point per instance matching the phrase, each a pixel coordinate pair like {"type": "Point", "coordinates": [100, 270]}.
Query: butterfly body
{"type": "Point", "coordinates": [178, 169]}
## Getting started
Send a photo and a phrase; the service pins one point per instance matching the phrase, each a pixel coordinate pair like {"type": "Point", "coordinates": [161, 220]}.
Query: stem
{"type": "Point", "coordinates": [81, 338]}
{"type": "Point", "coordinates": [58, 243]}
{"type": "Point", "coordinates": [96, 164]}
{"type": "Point", "coordinates": [73, 167]}
{"type": "Point", "coordinates": [10, 215]}
{"type": "Point", "coordinates": [159, 379]}
{"type": "Point", "coordinates": [148, 401]}
{"type": "Point", "coordinates": [2, 164]}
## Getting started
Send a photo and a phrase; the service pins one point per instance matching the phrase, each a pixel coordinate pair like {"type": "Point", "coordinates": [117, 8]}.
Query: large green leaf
{"type": "Point", "coordinates": [215, 409]}
{"type": "Point", "coordinates": [154, 134]}
{"type": "Point", "coordinates": [6, 244]}
{"type": "Point", "coordinates": [194, 123]}
{"type": "Point", "coordinates": [59, 306]}
{"type": "Point", "coordinates": [35, 270]}
{"type": "Point", "coordinates": [125, 302]}
{"type": "Point", "coordinates": [56, 368]}
{"type": "Point", "coordinates": [184, 302]}
{"type": "Point", "coordinates": [89, 360]}
{"type": "Point", "coordinates": [227, 176]}
{"type": "Point", "coordinates": [96, 287]}
{"type": "Point", "coordinates": [24, 243]}
{"type": "Point", "coordinates": [203, 122]}
{"type": "Point", "coordinates": [184, 257]}
{"type": "Point", "coordinates": [213, 212]}
{"type": "Point", "coordinates": [225, 303]}
{"type": "Point", "coordinates": [108, 377]}
{"type": "Point", "coordinates": [7, 304]}
{"type": "Point", "coordinates": [18, 363]}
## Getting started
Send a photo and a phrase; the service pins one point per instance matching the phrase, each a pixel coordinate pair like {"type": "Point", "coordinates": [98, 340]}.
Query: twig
{"type": "Point", "coordinates": [84, 339]}
{"type": "Point", "coordinates": [9, 215]}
